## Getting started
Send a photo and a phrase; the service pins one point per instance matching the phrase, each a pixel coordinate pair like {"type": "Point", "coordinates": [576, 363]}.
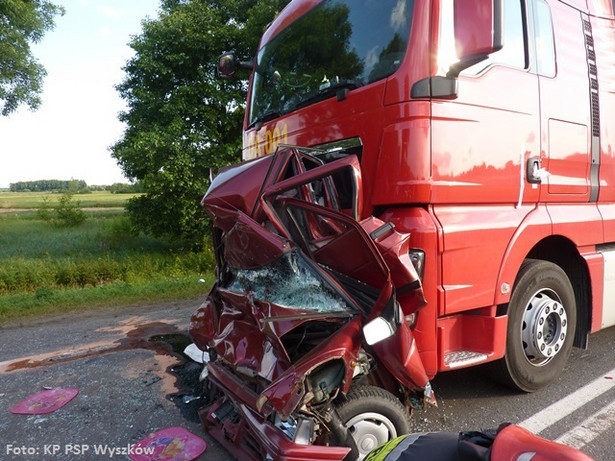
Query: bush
{"type": "Point", "coordinates": [66, 212]}
{"type": "Point", "coordinates": [44, 211]}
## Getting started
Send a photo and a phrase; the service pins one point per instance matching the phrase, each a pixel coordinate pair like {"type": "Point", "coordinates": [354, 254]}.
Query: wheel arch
{"type": "Point", "coordinates": [564, 253]}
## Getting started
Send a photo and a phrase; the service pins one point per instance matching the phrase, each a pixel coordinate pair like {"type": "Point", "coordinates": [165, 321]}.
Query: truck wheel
{"type": "Point", "coordinates": [542, 317]}
{"type": "Point", "coordinates": [373, 417]}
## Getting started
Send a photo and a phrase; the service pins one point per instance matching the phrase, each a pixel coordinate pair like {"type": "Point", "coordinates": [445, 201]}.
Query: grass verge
{"type": "Point", "coordinates": [30, 200]}
{"type": "Point", "coordinates": [46, 268]}
{"type": "Point", "coordinates": [47, 301]}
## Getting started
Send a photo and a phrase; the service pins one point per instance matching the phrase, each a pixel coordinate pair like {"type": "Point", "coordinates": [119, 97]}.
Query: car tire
{"type": "Point", "coordinates": [373, 416]}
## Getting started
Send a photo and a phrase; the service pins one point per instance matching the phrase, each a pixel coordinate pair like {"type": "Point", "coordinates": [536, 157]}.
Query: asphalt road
{"type": "Point", "coordinates": [127, 389]}
{"type": "Point", "coordinates": [578, 409]}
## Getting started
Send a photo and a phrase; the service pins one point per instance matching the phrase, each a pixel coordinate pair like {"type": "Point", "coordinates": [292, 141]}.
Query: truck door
{"type": "Point", "coordinates": [482, 143]}
{"type": "Point", "coordinates": [483, 138]}
{"type": "Point", "coordinates": [566, 125]}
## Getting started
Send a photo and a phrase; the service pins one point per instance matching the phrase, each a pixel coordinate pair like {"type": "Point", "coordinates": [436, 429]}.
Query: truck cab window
{"type": "Point", "coordinates": [338, 44]}
{"type": "Point", "coordinates": [545, 43]}
{"type": "Point", "coordinates": [514, 53]}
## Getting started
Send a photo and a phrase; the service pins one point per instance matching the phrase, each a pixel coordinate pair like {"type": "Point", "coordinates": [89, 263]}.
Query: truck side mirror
{"type": "Point", "coordinates": [229, 64]}
{"type": "Point", "coordinates": [479, 31]}
{"type": "Point", "coordinates": [470, 30]}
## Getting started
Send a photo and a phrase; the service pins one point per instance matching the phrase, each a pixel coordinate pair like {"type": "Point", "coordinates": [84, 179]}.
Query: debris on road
{"type": "Point", "coordinates": [173, 443]}
{"type": "Point", "coordinates": [45, 401]}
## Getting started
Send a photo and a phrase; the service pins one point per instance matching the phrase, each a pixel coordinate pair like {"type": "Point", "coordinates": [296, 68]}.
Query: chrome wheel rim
{"type": "Point", "coordinates": [544, 327]}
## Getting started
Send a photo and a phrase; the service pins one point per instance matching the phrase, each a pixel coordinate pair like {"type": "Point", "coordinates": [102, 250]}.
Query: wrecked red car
{"type": "Point", "coordinates": [308, 328]}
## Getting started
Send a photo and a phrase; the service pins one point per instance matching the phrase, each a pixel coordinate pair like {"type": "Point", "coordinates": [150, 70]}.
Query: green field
{"type": "Point", "coordinates": [30, 200]}
{"type": "Point", "coordinates": [49, 268]}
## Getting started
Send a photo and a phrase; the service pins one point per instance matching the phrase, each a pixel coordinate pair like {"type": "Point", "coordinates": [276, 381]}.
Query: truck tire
{"type": "Point", "coordinates": [373, 416]}
{"type": "Point", "coordinates": [542, 317]}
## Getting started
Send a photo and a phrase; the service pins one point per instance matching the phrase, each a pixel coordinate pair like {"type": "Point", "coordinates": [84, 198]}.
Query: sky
{"type": "Point", "coordinates": [69, 136]}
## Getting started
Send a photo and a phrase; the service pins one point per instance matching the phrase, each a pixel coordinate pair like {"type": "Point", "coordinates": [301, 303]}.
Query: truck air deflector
{"type": "Point", "coordinates": [594, 102]}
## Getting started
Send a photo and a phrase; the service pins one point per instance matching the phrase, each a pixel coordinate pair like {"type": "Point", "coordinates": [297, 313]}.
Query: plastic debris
{"type": "Point", "coordinates": [196, 354]}
{"type": "Point", "coordinates": [187, 399]}
{"type": "Point", "coordinates": [45, 401]}
{"type": "Point", "coordinates": [171, 444]}
{"type": "Point", "coordinates": [204, 374]}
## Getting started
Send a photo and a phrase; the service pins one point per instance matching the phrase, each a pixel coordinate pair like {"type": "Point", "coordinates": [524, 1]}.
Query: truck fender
{"type": "Point", "coordinates": [535, 226]}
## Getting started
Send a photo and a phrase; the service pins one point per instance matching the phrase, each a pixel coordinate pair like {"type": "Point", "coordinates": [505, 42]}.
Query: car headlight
{"type": "Point", "coordinates": [378, 330]}
{"type": "Point", "coordinates": [385, 325]}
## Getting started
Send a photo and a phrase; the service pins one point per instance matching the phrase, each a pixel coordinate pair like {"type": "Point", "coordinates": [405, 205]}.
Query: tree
{"type": "Point", "coordinates": [50, 185]}
{"type": "Point", "coordinates": [182, 120]}
{"type": "Point", "coordinates": [68, 212]}
{"type": "Point", "coordinates": [21, 75]}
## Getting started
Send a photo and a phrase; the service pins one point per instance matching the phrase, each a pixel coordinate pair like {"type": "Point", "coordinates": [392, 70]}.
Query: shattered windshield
{"type": "Point", "coordinates": [290, 281]}
{"type": "Point", "coordinates": [338, 44]}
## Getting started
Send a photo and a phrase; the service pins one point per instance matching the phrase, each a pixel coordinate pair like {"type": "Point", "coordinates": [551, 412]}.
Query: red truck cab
{"type": "Point", "coordinates": [485, 165]}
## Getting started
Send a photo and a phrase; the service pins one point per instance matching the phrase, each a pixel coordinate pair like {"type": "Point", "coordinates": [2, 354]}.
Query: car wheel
{"type": "Point", "coordinates": [373, 416]}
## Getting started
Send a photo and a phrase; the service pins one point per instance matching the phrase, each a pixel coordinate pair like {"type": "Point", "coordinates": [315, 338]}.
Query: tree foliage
{"type": "Point", "coordinates": [181, 119]}
{"type": "Point", "coordinates": [21, 75]}
{"type": "Point", "coordinates": [68, 211]}
{"type": "Point", "coordinates": [49, 185]}
{"type": "Point", "coordinates": [122, 188]}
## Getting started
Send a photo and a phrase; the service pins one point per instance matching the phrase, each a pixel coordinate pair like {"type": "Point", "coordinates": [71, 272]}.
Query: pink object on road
{"type": "Point", "coordinates": [45, 401]}
{"type": "Point", "coordinates": [171, 444]}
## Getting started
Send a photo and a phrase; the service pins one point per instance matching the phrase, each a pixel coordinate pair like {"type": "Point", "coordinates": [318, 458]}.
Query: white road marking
{"type": "Point", "coordinates": [564, 407]}
{"type": "Point", "coordinates": [588, 430]}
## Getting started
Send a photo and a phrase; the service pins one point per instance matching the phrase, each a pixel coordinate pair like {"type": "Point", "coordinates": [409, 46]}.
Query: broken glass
{"type": "Point", "coordinates": [290, 281]}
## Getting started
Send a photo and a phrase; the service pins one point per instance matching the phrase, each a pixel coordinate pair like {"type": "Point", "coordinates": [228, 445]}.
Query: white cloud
{"type": "Point", "coordinates": [371, 58]}
{"type": "Point", "coordinates": [69, 136]}
{"type": "Point", "coordinates": [110, 12]}
{"type": "Point", "coordinates": [106, 31]}
{"type": "Point", "coordinates": [398, 16]}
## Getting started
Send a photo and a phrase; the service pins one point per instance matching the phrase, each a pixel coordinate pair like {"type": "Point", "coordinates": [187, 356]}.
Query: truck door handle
{"type": "Point", "coordinates": [534, 172]}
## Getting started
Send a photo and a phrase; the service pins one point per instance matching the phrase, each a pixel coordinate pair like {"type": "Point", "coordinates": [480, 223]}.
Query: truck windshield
{"type": "Point", "coordinates": [338, 44]}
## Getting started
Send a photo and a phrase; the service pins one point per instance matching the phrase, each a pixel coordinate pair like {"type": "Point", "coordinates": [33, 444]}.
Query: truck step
{"type": "Point", "coordinates": [463, 358]}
